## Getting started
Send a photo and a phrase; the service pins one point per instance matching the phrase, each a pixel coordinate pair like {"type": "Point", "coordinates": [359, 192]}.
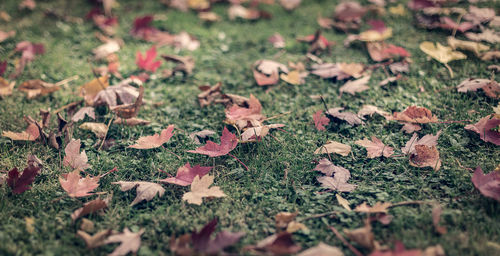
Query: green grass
{"type": "Point", "coordinates": [254, 196]}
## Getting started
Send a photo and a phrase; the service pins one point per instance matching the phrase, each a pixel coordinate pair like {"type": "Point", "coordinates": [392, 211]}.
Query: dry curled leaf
{"type": "Point", "coordinates": [96, 240]}
{"type": "Point", "coordinates": [334, 147]}
{"type": "Point", "coordinates": [90, 207]}
{"type": "Point", "coordinates": [145, 190]}
{"type": "Point", "coordinates": [31, 134]}
{"type": "Point", "coordinates": [200, 189]}
{"type": "Point", "coordinates": [90, 90]}
{"type": "Point", "coordinates": [414, 114]}
{"type": "Point", "coordinates": [473, 47]}
{"type": "Point", "coordinates": [485, 128]}
{"type": "Point", "coordinates": [36, 88]}
{"type": "Point", "coordinates": [349, 117]}
{"type": "Point", "coordinates": [370, 110]}
{"type": "Point", "coordinates": [487, 184]}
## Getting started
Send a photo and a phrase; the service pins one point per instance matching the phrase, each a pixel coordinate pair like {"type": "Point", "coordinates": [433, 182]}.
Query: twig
{"type": "Point", "coordinates": [178, 157]}
{"type": "Point", "coordinates": [67, 80]}
{"type": "Point", "coordinates": [107, 129]}
{"type": "Point", "coordinates": [409, 203]}
{"type": "Point", "coordinates": [67, 106]}
{"type": "Point", "coordinates": [339, 236]}
{"type": "Point", "coordinates": [449, 69]}
{"type": "Point", "coordinates": [319, 215]}
{"type": "Point", "coordinates": [324, 103]}
{"type": "Point", "coordinates": [278, 115]}
{"type": "Point", "coordinates": [246, 167]}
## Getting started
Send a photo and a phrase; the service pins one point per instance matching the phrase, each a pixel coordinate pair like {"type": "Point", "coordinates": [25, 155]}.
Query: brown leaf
{"type": "Point", "coordinates": [370, 110]}
{"type": "Point", "coordinates": [425, 156]}
{"type": "Point", "coordinates": [99, 129]}
{"type": "Point", "coordinates": [90, 207]}
{"type": "Point", "coordinates": [6, 87]}
{"type": "Point", "coordinates": [96, 240]}
{"type": "Point", "coordinates": [375, 147]}
{"type": "Point", "coordinates": [349, 117]}
{"type": "Point", "coordinates": [123, 91]}
{"type": "Point", "coordinates": [322, 249]}
{"type": "Point", "coordinates": [80, 114]}
{"type": "Point", "coordinates": [131, 121]}
{"type": "Point", "coordinates": [487, 184]}
{"type": "Point", "coordinates": [185, 64]}
{"type": "Point", "coordinates": [436, 217]}
{"type": "Point", "coordinates": [31, 134]}
{"type": "Point", "coordinates": [257, 133]}
{"type": "Point", "coordinates": [362, 236]}
{"type": "Point", "coordinates": [76, 186]}
{"type": "Point", "coordinates": [130, 242]}
{"type": "Point", "coordinates": [209, 94]}
{"type": "Point", "coordinates": [266, 72]}
{"type": "Point", "coordinates": [73, 157]}
{"type": "Point", "coordinates": [414, 114]}
{"type": "Point", "coordinates": [334, 147]}
{"type": "Point", "coordinates": [328, 168]}
{"type": "Point", "coordinates": [352, 87]}
{"type": "Point", "coordinates": [145, 190]}
{"type": "Point", "coordinates": [129, 110]}
{"type": "Point", "coordinates": [200, 189]}
{"type": "Point", "coordinates": [278, 244]}
{"type": "Point", "coordinates": [342, 201]}
{"type": "Point", "coordinates": [154, 141]}
{"type": "Point", "coordinates": [203, 134]}
{"type": "Point", "coordinates": [90, 90]}
{"type": "Point", "coordinates": [428, 140]}
{"type": "Point", "coordinates": [36, 88]}
{"type": "Point", "coordinates": [485, 128]}
{"type": "Point", "coordinates": [377, 208]}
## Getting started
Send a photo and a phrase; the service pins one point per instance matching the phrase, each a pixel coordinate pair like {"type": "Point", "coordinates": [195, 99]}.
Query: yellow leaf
{"type": "Point", "coordinates": [293, 77]}
{"type": "Point", "coordinates": [29, 224]}
{"type": "Point", "coordinates": [199, 189]}
{"type": "Point", "coordinates": [398, 10]}
{"type": "Point", "coordinates": [474, 47]}
{"type": "Point", "coordinates": [373, 35]}
{"type": "Point", "coordinates": [334, 147]}
{"type": "Point", "coordinates": [6, 87]}
{"type": "Point", "coordinates": [99, 129]}
{"type": "Point", "coordinates": [89, 90]}
{"type": "Point", "coordinates": [443, 54]}
{"type": "Point", "coordinates": [342, 201]}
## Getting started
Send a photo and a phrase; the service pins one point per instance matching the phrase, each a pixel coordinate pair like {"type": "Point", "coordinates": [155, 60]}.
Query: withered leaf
{"type": "Point", "coordinates": [349, 117]}
{"type": "Point", "coordinates": [36, 88]}
{"type": "Point", "coordinates": [201, 135]}
{"type": "Point", "coordinates": [377, 208]}
{"type": "Point", "coordinates": [328, 168]}
{"type": "Point", "coordinates": [186, 173]}
{"type": "Point", "coordinates": [334, 147]}
{"type": "Point", "coordinates": [21, 182]}
{"type": "Point", "coordinates": [428, 140]}
{"type": "Point", "coordinates": [485, 128]}
{"type": "Point", "coordinates": [90, 207]}
{"type": "Point", "coordinates": [90, 90]}
{"type": "Point", "coordinates": [352, 87]}
{"type": "Point", "coordinates": [145, 190]}
{"type": "Point", "coordinates": [73, 157]}
{"type": "Point", "coordinates": [80, 114]}
{"type": "Point", "coordinates": [99, 129]}
{"type": "Point", "coordinates": [96, 240]}
{"type": "Point", "coordinates": [257, 133]}
{"type": "Point", "coordinates": [209, 94]}
{"type": "Point", "coordinates": [320, 120]}
{"type": "Point", "coordinates": [425, 156]}
{"type": "Point", "coordinates": [130, 242]}
{"type": "Point", "coordinates": [131, 121]}
{"type": "Point", "coordinates": [185, 64]}
{"type": "Point", "coordinates": [441, 53]}
{"type": "Point", "coordinates": [337, 183]}
{"type": "Point", "coordinates": [200, 189]}
{"type": "Point", "coordinates": [31, 134]}
{"type": "Point", "coordinates": [204, 244]}
{"type": "Point", "coordinates": [473, 47]}
{"type": "Point", "coordinates": [76, 186]}
{"type": "Point", "coordinates": [414, 114]}
{"type": "Point", "coordinates": [154, 141]}
{"type": "Point", "coordinates": [487, 184]}
{"type": "Point", "coordinates": [375, 147]}
{"type": "Point", "coordinates": [370, 110]}
{"type": "Point", "coordinates": [129, 110]}
{"type": "Point", "coordinates": [6, 87]}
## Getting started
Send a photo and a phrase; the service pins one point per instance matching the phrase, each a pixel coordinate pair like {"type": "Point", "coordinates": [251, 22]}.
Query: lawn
{"type": "Point", "coordinates": [280, 176]}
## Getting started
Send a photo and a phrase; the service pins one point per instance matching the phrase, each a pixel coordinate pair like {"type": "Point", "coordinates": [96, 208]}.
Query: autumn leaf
{"type": "Point", "coordinates": [185, 174]}
{"type": "Point", "coordinates": [425, 156]}
{"type": "Point", "coordinates": [129, 110]}
{"type": "Point", "coordinates": [130, 242]}
{"type": "Point", "coordinates": [99, 129]}
{"type": "Point", "coordinates": [473, 47]}
{"type": "Point", "coordinates": [377, 208]}
{"type": "Point", "coordinates": [90, 90]}
{"type": "Point", "coordinates": [123, 91]}
{"type": "Point", "coordinates": [76, 186]}
{"type": "Point", "coordinates": [266, 72]}
{"type": "Point", "coordinates": [95, 240]}
{"type": "Point", "coordinates": [90, 207]}
{"type": "Point", "coordinates": [485, 128]}
{"type": "Point", "coordinates": [184, 64]}
{"type": "Point", "coordinates": [31, 134]}
{"type": "Point", "coordinates": [242, 115]}
{"type": "Point", "coordinates": [334, 147]}
{"type": "Point", "coordinates": [441, 53]}
{"type": "Point", "coordinates": [414, 114]}
{"type": "Point", "coordinates": [145, 190]}
{"type": "Point", "coordinates": [133, 121]}
{"type": "Point", "coordinates": [154, 141]}
{"type": "Point", "coordinates": [322, 249]}
{"type": "Point", "coordinates": [487, 184]}
{"type": "Point", "coordinates": [352, 87]}
{"type": "Point", "coordinates": [204, 244]}
{"type": "Point", "coordinates": [277, 244]}
{"type": "Point", "coordinates": [328, 168]}
{"type": "Point", "coordinates": [36, 88]}
{"type": "Point", "coordinates": [349, 117]}
{"type": "Point", "coordinates": [200, 189]}
{"type": "Point", "coordinates": [257, 133]}
{"type": "Point", "coordinates": [202, 135]}
{"type": "Point", "coordinates": [370, 110]}
{"type": "Point", "coordinates": [375, 147]}
{"type": "Point", "coordinates": [320, 120]}
{"type": "Point", "coordinates": [74, 158]}
{"type": "Point", "coordinates": [337, 183]}
{"type": "Point", "coordinates": [148, 62]}
{"type": "Point", "coordinates": [490, 87]}
{"type": "Point", "coordinates": [228, 142]}
{"type": "Point", "coordinates": [428, 140]}
{"type": "Point", "coordinates": [82, 112]}
{"type": "Point", "coordinates": [21, 182]}
{"type": "Point", "coordinates": [6, 87]}
{"type": "Point", "coordinates": [342, 201]}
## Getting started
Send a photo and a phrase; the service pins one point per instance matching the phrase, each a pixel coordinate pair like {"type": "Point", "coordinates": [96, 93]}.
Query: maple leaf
{"type": "Point", "coordinates": [186, 174]}
{"type": "Point", "coordinates": [414, 114]}
{"type": "Point", "coordinates": [370, 110]}
{"type": "Point", "coordinates": [154, 141]}
{"type": "Point", "coordinates": [95, 240]}
{"type": "Point", "coordinates": [473, 47]}
{"type": "Point", "coordinates": [490, 87]}
{"type": "Point", "coordinates": [91, 207]}
{"type": "Point", "coordinates": [31, 134]}
{"type": "Point", "coordinates": [200, 189]}
{"type": "Point", "coordinates": [237, 114]}
{"type": "Point", "coordinates": [328, 168]}
{"type": "Point", "coordinates": [320, 120]}
{"type": "Point", "coordinates": [337, 183]}
{"type": "Point", "coordinates": [334, 147]}
{"type": "Point", "coordinates": [377, 208]}
{"type": "Point", "coordinates": [266, 72]}
{"type": "Point", "coordinates": [441, 53]}
{"type": "Point", "coordinates": [20, 183]}
{"type": "Point", "coordinates": [428, 140]}
{"type": "Point", "coordinates": [375, 147]}
{"type": "Point", "coordinates": [257, 133]}
{"type": "Point", "coordinates": [425, 156]}
{"type": "Point", "coordinates": [228, 142]}
{"type": "Point", "coordinates": [130, 242]}
{"type": "Point", "coordinates": [322, 249]}
{"type": "Point", "coordinates": [123, 91]}
{"type": "Point", "coordinates": [76, 186]}
{"type": "Point", "coordinates": [73, 157]}
{"type": "Point", "coordinates": [349, 117]}
{"type": "Point", "coordinates": [82, 112]}
{"type": "Point", "coordinates": [487, 184]}
{"type": "Point", "coordinates": [148, 62]}
{"type": "Point", "coordinates": [484, 127]}
{"type": "Point", "coordinates": [202, 242]}
{"type": "Point", "coordinates": [352, 87]}
{"type": "Point", "coordinates": [145, 190]}
{"type": "Point", "coordinates": [380, 51]}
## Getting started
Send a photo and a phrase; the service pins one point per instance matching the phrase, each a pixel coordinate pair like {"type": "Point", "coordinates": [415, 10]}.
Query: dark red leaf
{"type": "Point", "coordinates": [20, 183]}
{"type": "Point", "coordinates": [148, 62]}
{"type": "Point", "coordinates": [228, 142]}
{"type": "Point", "coordinates": [487, 184]}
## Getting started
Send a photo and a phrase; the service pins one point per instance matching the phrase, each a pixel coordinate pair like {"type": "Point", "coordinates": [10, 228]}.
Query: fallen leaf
{"type": "Point", "coordinates": [37, 88]}
{"type": "Point", "coordinates": [74, 158]}
{"type": "Point", "coordinates": [428, 140]}
{"type": "Point", "coordinates": [147, 62]}
{"type": "Point", "coordinates": [277, 41]}
{"type": "Point", "coordinates": [96, 240]}
{"type": "Point", "coordinates": [76, 186]}
{"type": "Point", "coordinates": [183, 40]}
{"type": "Point", "coordinates": [425, 156]}
{"type": "Point", "coordinates": [277, 244]}
{"type": "Point", "coordinates": [485, 128]}
{"type": "Point", "coordinates": [257, 133]}
{"type": "Point", "coordinates": [487, 35]}
{"type": "Point", "coordinates": [375, 147]}
{"type": "Point", "coordinates": [99, 129]}
{"type": "Point", "coordinates": [349, 117]}
{"type": "Point", "coordinates": [328, 168]}
{"type": "Point", "coordinates": [133, 121]}
{"type": "Point", "coordinates": [145, 190]}
{"type": "Point", "coordinates": [338, 182]}
{"type": "Point", "coordinates": [201, 135]}
{"type": "Point", "coordinates": [90, 90]}
{"type": "Point", "coordinates": [414, 114]}
{"type": "Point", "coordinates": [122, 92]}
{"type": "Point", "coordinates": [228, 142]}
{"type": "Point", "coordinates": [266, 72]}
{"type": "Point", "coordinates": [130, 242]}
{"type": "Point", "coordinates": [200, 189]}
{"type": "Point", "coordinates": [320, 120]}
{"type": "Point", "coordinates": [473, 47]}
{"type": "Point", "coordinates": [377, 208]}
{"type": "Point", "coordinates": [209, 94]}
{"type": "Point", "coordinates": [6, 87]}
{"type": "Point", "coordinates": [449, 24]}
{"type": "Point", "coordinates": [380, 51]}
{"type": "Point", "coordinates": [21, 182]}
{"type": "Point", "coordinates": [334, 147]}
{"type": "Point", "coordinates": [106, 49]}
{"type": "Point", "coordinates": [31, 134]}
{"type": "Point", "coordinates": [487, 85]}
{"type": "Point", "coordinates": [441, 53]}
{"type": "Point", "coordinates": [355, 86]}
{"type": "Point", "coordinates": [209, 16]}
{"type": "Point", "coordinates": [185, 64]}
{"type": "Point", "coordinates": [185, 174]}
{"type": "Point", "coordinates": [370, 110]}
{"type": "Point", "coordinates": [290, 4]}
{"type": "Point", "coordinates": [342, 201]}
{"type": "Point", "coordinates": [204, 244]}
{"type": "Point", "coordinates": [28, 51]}
{"type": "Point", "coordinates": [129, 110]}
{"type": "Point", "coordinates": [90, 207]}
{"type": "Point", "coordinates": [154, 141]}
{"type": "Point", "coordinates": [322, 249]}
{"type": "Point", "coordinates": [238, 11]}
{"type": "Point", "coordinates": [436, 217]}
{"type": "Point", "coordinates": [362, 236]}
{"type": "Point", "coordinates": [487, 184]}
{"type": "Point", "coordinates": [82, 112]}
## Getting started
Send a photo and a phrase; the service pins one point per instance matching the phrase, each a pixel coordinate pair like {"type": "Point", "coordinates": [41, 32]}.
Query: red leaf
{"type": "Point", "coordinates": [20, 183]}
{"type": "Point", "coordinates": [185, 174]}
{"type": "Point", "coordinates": [489, 184]}
{"type": "Point", "coordinates": [74, 158]}
{"type": "Point", "coordinates": [485, 129]}
{"type": "Point", "coordinates": [147, 63]}
{"type": "Point", "coordinates": [399, 250]}
{"type": "Point", "coordinates": [228, 142]}
{"type": "Point", "coordinates": [142, 27]}
{"type": "Point", "coordinates": [202, 242]}
{"type": "Point", "coordinates": [253, 112]}
{"type": "Point", "coordinates": [29, 51]}
{"type": "Point", "coordinates": [154, 141]}
{"type": "Point", "coordinates": [77, 186]}
{"type": "Point", "coordinates": [320, 120]}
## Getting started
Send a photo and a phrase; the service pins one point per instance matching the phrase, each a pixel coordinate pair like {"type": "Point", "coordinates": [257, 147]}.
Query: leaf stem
{"type": "Point", "coordinates": [244, 165]}
{"type": "Point", "coordinates": [339, 236]}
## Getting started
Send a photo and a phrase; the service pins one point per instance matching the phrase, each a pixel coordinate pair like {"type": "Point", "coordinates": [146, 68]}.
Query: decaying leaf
{"type": "Point", "coordinates": [99, 129]}
{"type": "Point", "coordinates": [277, 244]}
{"type": "Point", "coordinates": [154, 141]}
{"type": "Point", "coordinates": [487, 184]}
{"type": "Point", "coordinates": [375, 147]}
{"type": "Point", "coordinates": [266, 72]}
{"type": "Point", "coordinates": [130, 242]}
{"type": "Point", "coordinates": [20, 182]}
{"type": "Point", "coordinates": [31, 134]}
{"type": "Point", "coordinates": [414, 114]}
{"type": "Point", "coordinates": [425, 156]}
{"type": "Point", "coordinates": [90, 207]}
{"type": "Point", "coordinates": [352, 87]}
{"type": "Point", "coordinates": [490, 87]}
{"type": "Point", "coordinates": [122, 92]}
{"type": "Point", "coordinates": [73, 157]}
{"type": "Point", "coordinates": [334, 147]}
{"type": "Point", "coordinates": [76, 186]}
{"type": "Point", "coordinates": [339, 180]}
{"type": "Point", "coordinates": [349, 117]}
{"type": "Point", "coordinates": [36, 88]}
{"type": "Point", "coordinates": [209, 94]}
{"type": "Point", "coordinates": [186, 173]}
{"type": "Point", "coordinates": [82, 112]}
{"type": "Point", "coordinates": [485, 128]}
{"type": "Point", "coordinates": [201, 135]}
{"type": "Point", "coordinates": [129, 110]}
{"type": "Point", "coordinates": [133, 121]}
{"type": "Point", "coordinates": [145, 190]}
{"type": "Point", "coordinates": [185, 64]}
{"type": "Point", "coordinates": [200, 189]}
{"type": "Point", "coordinates": [96, 240]}
{"type": "Point", "coordinates": [329, 169]}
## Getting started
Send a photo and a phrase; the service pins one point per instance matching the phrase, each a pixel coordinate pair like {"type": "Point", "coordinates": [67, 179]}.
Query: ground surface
{"type": "Point", "coordinates": [254, 196]}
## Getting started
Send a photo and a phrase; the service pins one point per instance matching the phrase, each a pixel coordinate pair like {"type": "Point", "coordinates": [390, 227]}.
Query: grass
{"type": "Point", "coordinates": [228, 49]}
